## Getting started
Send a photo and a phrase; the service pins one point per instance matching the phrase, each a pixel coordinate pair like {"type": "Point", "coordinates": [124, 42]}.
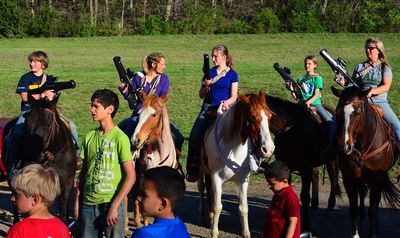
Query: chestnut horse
{"type": "Point", "coordinates": [47, 140]}
{"type": "Point", "coordinates": [229, 146]}
{"type": "Point", "coordinates": [299, 140]}
{"type": "Point", "coordinates": [366, 149]}
{"type": "Point", "coordinates": [152, 142]}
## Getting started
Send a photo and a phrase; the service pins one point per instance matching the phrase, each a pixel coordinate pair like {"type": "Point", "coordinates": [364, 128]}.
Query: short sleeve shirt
{"type": "Point", "coordinates": [284, 204]}
{"type": "Point", "coordinates": [23, 86]}
{"type": "Point", "coordinates": [308, 85]}
{"type": "Point", "coordinates": [221, 89]}
{"type": "Point", "coordinates": [35, 227]}
{"type": "Point", "coordinates": [163, 228]}
{"type": "Point", "coordinates": [104, 155]}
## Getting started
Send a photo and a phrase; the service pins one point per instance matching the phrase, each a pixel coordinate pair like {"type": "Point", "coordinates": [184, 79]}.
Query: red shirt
{"type": "Point", "coordinates": [40, 228]}
{"type": "Point", "coordinates": [284, 204]}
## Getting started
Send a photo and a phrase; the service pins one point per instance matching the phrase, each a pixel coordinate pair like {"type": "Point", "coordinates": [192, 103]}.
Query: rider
{"type": "Point", "coordinates": [220, 89]}
{"type": "Point", "coordinates": [35, 78]}
{"type": "Point", "coordinates": [311, 85]}
{"type": "Point", "coordinates": [376, 73]}
{"type": "Point", "coordinates": [151, 80]}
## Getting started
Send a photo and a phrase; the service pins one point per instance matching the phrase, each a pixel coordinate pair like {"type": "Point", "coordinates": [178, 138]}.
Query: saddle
{"type": "Point", "coordinates": [316, 117]}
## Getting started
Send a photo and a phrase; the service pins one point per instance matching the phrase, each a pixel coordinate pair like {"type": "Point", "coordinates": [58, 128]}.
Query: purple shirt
{"type": "Point", "coordinates": [161, 89]}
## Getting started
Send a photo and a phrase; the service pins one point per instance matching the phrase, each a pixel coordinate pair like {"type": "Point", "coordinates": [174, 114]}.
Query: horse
{"type": "Point", "coordinates": [299, 140]}
{"type": "Point", "coordinates": [366, 149]}
{"type": "Point", "coordinates": [230, 145]}
{"type": "Point", "coordinates": [152, 143]}
{"type": "Point", "coordinates": [47, 140]}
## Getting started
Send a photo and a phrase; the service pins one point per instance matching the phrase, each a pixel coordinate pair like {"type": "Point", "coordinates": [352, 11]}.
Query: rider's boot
{"type": "Point", "coordinates": [192, 170]}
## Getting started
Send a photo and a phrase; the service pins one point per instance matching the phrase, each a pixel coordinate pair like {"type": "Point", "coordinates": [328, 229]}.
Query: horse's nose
{"type": "Point", "coordinates": [348, 149]}
{"type": "Point", "coordinates": [136, 143]}
{"type": "Point", "coordinates": [267, 150]}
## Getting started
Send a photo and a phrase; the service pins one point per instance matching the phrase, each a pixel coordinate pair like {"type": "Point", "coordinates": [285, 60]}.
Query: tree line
{"type": "Point", "coordinates": [80, 18]}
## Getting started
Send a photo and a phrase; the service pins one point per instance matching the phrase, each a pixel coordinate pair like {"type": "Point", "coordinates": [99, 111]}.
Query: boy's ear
{"type": "Point", "coordinates": [164, 204]}
{"type": "Point", "coordinates": [110, 109]}
{"type": "Point", "coordinates": [36, 199]}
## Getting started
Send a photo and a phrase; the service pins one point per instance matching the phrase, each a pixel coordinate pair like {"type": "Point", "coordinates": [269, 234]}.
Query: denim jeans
{"type": "Point", "coordinates": [93, 224]}
{"type": "Point", "coordinates": [197, 134]}
{"type": "Point", "coordinates": [390, 117]}
{"type": "Point", "coordinates": [128, 125]}
{"type": "Point", "coordinates": [330, 121]}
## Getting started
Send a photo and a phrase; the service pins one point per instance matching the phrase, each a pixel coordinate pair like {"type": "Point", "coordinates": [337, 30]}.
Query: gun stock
{"type": "Point", "coordinates": [337, 66]}
{"type": "Point", "coordinates": [289, 80]}
{"type": "Point", "coordinates": [206, 67]}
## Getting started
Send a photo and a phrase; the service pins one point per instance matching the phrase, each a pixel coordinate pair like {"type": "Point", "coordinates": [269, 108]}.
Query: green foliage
{"type": "Point", "coordinates": [306, 22]}
{"type": "Point", "coordinates": [265, 21]}
{"type": "Point", "coordinates": [44, 24]}
{"type": "Point", "coordinates": [240, 26]}
{"type": "Point", "coordinates": [9, 21]}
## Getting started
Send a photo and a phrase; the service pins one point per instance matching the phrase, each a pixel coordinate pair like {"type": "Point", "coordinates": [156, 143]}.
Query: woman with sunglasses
{"type": "Point", "coordinates": [376, 73]}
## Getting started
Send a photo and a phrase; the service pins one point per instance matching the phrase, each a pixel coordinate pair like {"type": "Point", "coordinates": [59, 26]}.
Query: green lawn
{"type": "Point", "coordinates": [88, 61]}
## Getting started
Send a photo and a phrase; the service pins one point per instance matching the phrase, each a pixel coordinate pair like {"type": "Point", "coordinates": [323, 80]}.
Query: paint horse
{"type": "Point", "coordinates": [152, 142]}
{"type": "Point", "coordinates": [299, 140]}
{"type": "Point", "coordinates": [366, 148]}
{"type": "Point", "coordinates": [230, 145]}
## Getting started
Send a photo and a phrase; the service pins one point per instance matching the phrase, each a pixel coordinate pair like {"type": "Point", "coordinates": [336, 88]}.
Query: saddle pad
{"type": "Point", "coordinates": [377, 109]}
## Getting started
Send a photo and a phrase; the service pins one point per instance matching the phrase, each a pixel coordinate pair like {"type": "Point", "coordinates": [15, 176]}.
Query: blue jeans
{"type": "Point", "coordinates": [93, 224]}
{"type": "Point", "coordinates": [197, 134]}
{"type": "Point", "coordinates": [390, 117]}
{"type": "Point", "coordinates": [330, 121]}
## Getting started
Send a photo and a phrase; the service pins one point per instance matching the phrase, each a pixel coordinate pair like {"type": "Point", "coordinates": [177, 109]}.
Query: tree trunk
{"type": "Point", "coordinates": [91, 12]}
{"type": "Point", "coordinates": [108, 10]}
{"type": "Point", "coordinates": [324, 4]}
{"type": "Point", "coordinates": [144, 8]}
{"type": "Point", "coordinates": [122, 18]}
{"type": "Point", "coordinates": [168, 10]}
{"type": "Point", "coordinates": [33, 8]}
{"type": "Point", "coordinates": [96, 8]}
{"type": "Point", "coordinates": [214, 7]}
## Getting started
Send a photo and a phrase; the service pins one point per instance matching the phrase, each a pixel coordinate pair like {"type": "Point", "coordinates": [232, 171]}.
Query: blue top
{"type": "Point", "coordinates": [161, 89]}
{"type": "Point", "coordinates": [163, 228]}
{"type": "Point", "coordinates": [221, 90]}
{"type": "Point", "coordinates": [23, 86]}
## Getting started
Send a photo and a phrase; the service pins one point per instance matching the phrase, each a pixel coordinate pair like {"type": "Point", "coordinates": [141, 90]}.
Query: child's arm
{"type": "Point", "coordinates": [291, 227]}
{"type": "Point", "coordinates": [313, 98]}
{"type": "Point", "coordinates": [128, 181]}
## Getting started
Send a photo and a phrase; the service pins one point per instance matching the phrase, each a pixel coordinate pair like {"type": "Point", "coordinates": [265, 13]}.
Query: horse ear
{"type": "Point", "coordinates": [55, 99]}
{"type": "Point", "coordinates": [164, 98]}
{"type": "Point", "coordinates": [243, 98]}
{"type": "Point", "coordinates": [144, 95]}
{"type": "Point", "coordinates": [336, 92]}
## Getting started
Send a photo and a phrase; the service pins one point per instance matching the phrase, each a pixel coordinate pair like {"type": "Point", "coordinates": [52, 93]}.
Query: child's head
{"type": "Point", "coordinates": [39, 56]}
{"type": "Point", "coordinates": [277, 175]}
{"type": "Point", "coordinates": [35, 180]}
{"type": "Point", "coordinates": [161, 188]}
{"type": "Point", "coordinates": [155, 62]}
{"type": "Point", "coordinates": [310, 63]}
{"type": "Point", "coordinates": [108, 99]}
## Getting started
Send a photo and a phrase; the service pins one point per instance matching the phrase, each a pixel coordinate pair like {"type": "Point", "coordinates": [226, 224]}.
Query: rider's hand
{"type": "Point", "coordinates": [207, 82]}
{"type": "Point", "coordinates": [49, 95]}
{"type": "Point", "coordinates": [123, 88]}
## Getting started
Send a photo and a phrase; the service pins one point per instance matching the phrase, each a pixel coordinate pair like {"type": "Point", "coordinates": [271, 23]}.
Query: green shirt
{"type": "Point", "coordinates": [308, 85]}
{"type": "Point", "coordinates": [104, 155]}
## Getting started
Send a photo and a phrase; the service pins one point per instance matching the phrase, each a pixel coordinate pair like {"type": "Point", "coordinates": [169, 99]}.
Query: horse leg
{"type": "Point", "coordinates": [64, 199]}
{"type": "Point", "coordinates": [306, 176]}
{"type": "Point", "coordinates": [373, 212]}
{"type": "Point", "coordinates": [331, 166]}
{"type": "Point", "coordinates": [244, 208]}
{"type": "Point", "coordinates": [217, 206]}
{"type": "Point", "coordinates": [138, 223]}
{"type": "Point", "coordinates": [315, 189]}
{"type": "Point", "coordinates": [362, 191]}
{"type": "Point", "coordinates": [352, 194]}
{"type": "Point", "coordinates": [210, 195]}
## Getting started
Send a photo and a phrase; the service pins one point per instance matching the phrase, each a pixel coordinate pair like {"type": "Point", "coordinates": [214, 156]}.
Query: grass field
{"type": "Point", "coordinates": [88, 61]}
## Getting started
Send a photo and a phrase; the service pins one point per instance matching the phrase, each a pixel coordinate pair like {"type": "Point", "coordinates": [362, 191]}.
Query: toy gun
{"type": "Point", "coordinates": [339, 68]}
{"type": "Point", "coordinates": [124, 77]}
{"type": "Point", "coordinates": [206, 67]}
{"type": "Point", "coordinates": [51, 84]}
{"type": "Point", "coordinates": [290, 83]}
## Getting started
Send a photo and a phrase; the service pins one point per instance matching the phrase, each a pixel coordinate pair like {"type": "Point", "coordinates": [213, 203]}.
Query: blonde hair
{"type": "Point", "coordinates": [313, 59]}
{"type": "Point", "coordinates": [39, 56]}
{"type": "Point", "coordinates": [379, 45]}
{"type": "Point", "coordinates": [224, 50]}
{"type": "Point", "coordinates": [34, 179]}
{"type": "Point", "coordinates": [150, 59]}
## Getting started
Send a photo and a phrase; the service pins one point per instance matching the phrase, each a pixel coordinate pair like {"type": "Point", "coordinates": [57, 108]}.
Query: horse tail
{"type": "Point", "coordinates": [391, 194]}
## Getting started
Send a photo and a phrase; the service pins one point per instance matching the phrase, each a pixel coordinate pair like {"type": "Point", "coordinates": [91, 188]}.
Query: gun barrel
{"type": "Point", "coordinates": [206, 67]}
{"type": "Point", "coordinates": [121, 70]}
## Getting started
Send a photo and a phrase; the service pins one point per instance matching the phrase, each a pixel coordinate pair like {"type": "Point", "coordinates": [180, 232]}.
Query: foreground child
{"type": "Point", "coordinates": [107, 173]}
{"type": "Point", "coordinates": [283, 216]}
{"type": "Point", "coordinates": [160, 191]}
{"type": "Point", "coordinates": [34, 190]}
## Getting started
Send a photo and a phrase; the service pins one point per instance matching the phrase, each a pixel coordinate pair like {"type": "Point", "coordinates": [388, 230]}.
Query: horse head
{"type": "Point", "coordinates": [257, 115]}
{"type": "Point", "coordinates": [150, 123]}
{"type": "Point", "coordinates": [351, 116]}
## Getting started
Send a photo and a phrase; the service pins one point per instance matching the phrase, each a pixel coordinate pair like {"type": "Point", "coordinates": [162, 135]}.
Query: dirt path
{"type": "Point", "coordinates": [325, 224]}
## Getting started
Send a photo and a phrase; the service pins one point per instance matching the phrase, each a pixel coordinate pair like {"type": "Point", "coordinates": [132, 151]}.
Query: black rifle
{"type": "Point", "coordinates": [124, 77]}
{"type": "Point", "coordinates": [51, 84]}
{"type": "Point", "coordinates": [206, 67]}
{"type": "Point", "coordinates": [338, 66]}
{"type": "Point", "coordinates": [289, 80]}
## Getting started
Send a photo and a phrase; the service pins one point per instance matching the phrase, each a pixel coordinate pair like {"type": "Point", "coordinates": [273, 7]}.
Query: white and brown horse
{"type": "Point", "coordinates": [230, 145]}
{"type": "Point", "coordinates": [152, 142]}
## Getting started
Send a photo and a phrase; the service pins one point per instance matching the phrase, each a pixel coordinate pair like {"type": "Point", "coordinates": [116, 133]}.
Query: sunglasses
{"type": "Point", "coordinates": [371, 47]}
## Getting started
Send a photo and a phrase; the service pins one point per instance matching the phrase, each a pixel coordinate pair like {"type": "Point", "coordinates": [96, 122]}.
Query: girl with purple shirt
{"type": "Point", "coordinates": [220, 89]}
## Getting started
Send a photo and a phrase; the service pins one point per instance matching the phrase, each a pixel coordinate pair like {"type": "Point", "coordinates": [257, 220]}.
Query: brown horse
{"type": "Point", "coordinates": [152, 142]}
{"type": "Point", "coordinates": [47, 140]}
{"type": "Point", "coordinates": [366, 149]}
{"type": "Point", "coordinates": [299, 140]}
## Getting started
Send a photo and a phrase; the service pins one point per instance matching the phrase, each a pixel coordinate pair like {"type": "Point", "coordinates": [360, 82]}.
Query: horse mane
{"type": "Point", "coordinates": [288, 109]}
